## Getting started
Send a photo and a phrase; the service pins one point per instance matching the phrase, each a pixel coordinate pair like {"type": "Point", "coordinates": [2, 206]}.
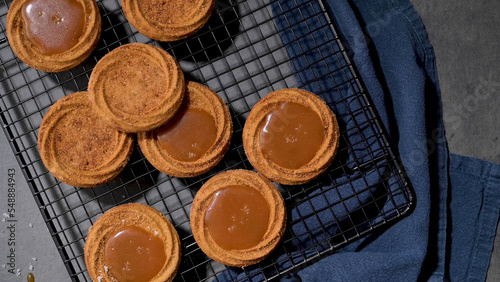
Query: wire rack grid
{"type": "Point", "coordinates": [246, 50]}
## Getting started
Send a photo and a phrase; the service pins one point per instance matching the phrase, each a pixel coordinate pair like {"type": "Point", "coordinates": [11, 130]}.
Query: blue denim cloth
{"type": "Point", "coordinates": [450, 233]}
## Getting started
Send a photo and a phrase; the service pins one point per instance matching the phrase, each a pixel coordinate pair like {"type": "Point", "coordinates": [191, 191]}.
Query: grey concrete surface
{"type": "Point", "coordinates": [465, 38]}
{"type": "Point", "coordinates": [33, 248]}
{"type": "Point", "coordinates": [464, 35]}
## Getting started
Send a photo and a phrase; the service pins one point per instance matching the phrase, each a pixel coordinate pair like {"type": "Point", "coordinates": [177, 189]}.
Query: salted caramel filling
{"type": "Point", "coordinates": [54, 26]}
{"type": "Point", "coordinates": [133, 254]}
{"type": "Point", "coordinates": [238, 217]}
{"type": "Point", "coordinates": [188, 135]}
{"type": "Point", "coordinates": [292, 135]}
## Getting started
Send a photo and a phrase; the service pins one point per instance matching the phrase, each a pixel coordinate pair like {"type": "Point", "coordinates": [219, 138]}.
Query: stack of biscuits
{"type": "Point", "coordinates": [86, 138]}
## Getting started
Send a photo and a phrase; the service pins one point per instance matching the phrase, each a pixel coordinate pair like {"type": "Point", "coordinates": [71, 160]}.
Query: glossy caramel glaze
{"type": "Point", "coordinates": [134, 254]}
{"type": "Point", "coordinates": [54, 26]}
{"type": "Point", "coordinates": [292, 135]}
{"type": "Point", "coordinates": [188, 135]}
{"type": "Point", "coordinates": [237, 217]}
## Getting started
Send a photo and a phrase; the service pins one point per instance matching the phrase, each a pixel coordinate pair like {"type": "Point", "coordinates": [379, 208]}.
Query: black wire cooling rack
{"type": "Point", "coordinates": [247, 50]}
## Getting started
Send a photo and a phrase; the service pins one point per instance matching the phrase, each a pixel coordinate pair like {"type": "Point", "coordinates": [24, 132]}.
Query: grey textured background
{"type": "Point", "coordinates": [465, 38]}
{"type": "Point", "coordinates": [464, 35]}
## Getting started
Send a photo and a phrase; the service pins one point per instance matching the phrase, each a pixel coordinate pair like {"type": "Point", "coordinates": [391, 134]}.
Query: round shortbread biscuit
{"type": "Point", "coordinates": [168, 20]}
{"type": "Point", "coordinates": [276, 224]}
{"type": "Point", "coordinates": [120, 218]}
{"type": "Point", "coordinates": [257, 120]}
{"type": "Point", "coordinates": [136, 87]}
{"type": "Point", "coordinates": [197, 96]}
{"type": "Point", "coordinates": [77, 147]}
{"type": "Point", "coordinates": [27, 52]}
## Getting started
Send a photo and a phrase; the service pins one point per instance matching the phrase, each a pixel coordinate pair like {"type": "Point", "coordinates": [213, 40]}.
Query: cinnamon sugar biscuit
{"type": "Point", "coordinates": [136, 87]}
{"type": "Point", "coordinates": [53, 36]}
{"type": "Point", "coordinates": [136, 238]}
{"type": "Point", "coordinates": [291, 136]}
{"type": "Point", "coordinates": [168, 20]}
{"type": "Point", "coordinates": [77, 147]}
{"type": "Point", "coordinates": [238, 217]}
{"type": "Point", "coordinates": [195, 139]}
